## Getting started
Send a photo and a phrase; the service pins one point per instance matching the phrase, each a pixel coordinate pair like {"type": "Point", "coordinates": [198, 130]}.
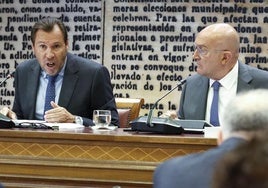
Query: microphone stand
{"type": "Point", "coordinates": [157, 125]}
{"type": "Point", "coordinates": [8, 76]}
{"type": "Point", "coordinates": [149, 119]}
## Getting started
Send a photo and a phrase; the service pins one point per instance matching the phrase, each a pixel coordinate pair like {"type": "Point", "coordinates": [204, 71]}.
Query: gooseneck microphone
{"type": "Point", "coordinates": [157, 124]}
{"type": "Point", "coordinates": [149, 119]}
{"type": "Point", "coordinates": [11, 75]}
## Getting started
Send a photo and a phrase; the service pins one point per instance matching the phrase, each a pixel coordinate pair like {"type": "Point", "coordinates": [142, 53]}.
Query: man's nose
{"type": "Point", "coordinates": [196, 55]}
{"type": "Point", "coordinates": [49, 53]}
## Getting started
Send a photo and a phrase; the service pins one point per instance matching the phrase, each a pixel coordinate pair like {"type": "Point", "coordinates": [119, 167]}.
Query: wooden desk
{"type": "Point", "coordinates": [84, 158]}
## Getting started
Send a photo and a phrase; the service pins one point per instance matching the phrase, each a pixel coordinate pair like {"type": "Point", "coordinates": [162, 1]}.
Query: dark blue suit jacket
{"type": "Point", "coordinates": [86, 86]}
{"type": "Point", "coordinates": [193, 99]}
{"type": "Point", "coordinates": [192, 171]}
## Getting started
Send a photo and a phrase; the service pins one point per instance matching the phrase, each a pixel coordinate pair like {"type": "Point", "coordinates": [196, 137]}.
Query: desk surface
{"type": "Point", "coordinates": [116, 157]}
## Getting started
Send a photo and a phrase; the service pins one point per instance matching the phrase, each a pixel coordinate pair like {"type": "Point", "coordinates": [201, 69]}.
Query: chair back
{"type": "Point", "coordinates": [128, 109]}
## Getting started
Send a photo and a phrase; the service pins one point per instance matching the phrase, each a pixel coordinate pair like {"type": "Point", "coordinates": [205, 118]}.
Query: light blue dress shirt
{"type": "Point", "coordinates": [41, 94]}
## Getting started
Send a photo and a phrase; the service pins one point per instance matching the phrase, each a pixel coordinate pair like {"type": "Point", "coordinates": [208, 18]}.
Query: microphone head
{"type": "Point", "coordinates": [11, 75]}
{"type": "Point", "coordinates": [182, 82]}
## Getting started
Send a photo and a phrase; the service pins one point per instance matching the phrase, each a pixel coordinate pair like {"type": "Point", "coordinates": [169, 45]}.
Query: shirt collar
{"type": "Point", "coordinates": [229, 79]}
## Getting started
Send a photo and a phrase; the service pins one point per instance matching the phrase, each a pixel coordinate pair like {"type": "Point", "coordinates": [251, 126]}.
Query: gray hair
{"type": "Point", "coordinates": [248, 111]}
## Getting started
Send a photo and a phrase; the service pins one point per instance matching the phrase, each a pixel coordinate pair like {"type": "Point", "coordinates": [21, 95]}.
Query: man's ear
{"type": "Point", "coordinates": [227, 55]}
{"type": "Point", "coordinates": [220, 137]}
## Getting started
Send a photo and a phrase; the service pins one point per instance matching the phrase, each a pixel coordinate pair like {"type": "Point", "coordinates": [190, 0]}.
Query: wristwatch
{"type": "Point", "coordinates": [78, 120]}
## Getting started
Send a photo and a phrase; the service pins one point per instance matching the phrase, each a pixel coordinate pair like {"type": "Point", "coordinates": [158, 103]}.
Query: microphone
{"type": "Point", "coordinates": [11, 75]}
{"type": "Point", "coordinates": [157, 124]}
{"type": "Point", "coordinates": [149, 119]}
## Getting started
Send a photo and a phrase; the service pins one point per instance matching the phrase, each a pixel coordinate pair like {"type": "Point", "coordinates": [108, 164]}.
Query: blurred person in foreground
{"type": "Point", "coordinates": [246, 166]}
{"type": "Point", "coordinates": [81, 84]}
{"type": "Point", "coordinates": [216, 55]}
{"type": "Point", "coordinates": [244, 116]}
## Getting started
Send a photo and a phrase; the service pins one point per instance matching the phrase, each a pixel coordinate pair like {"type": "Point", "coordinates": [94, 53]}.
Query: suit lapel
{"type": "Point", "coordinates": [203, 85]}
{"type": "Point", "coordinates": [197, 96]}
{"type": "Point", "coordinates": [244, 78]}
{"type": "Point", "coordinates": [69, 82]}
{"type": "Point", "coordinates": [33, 82]}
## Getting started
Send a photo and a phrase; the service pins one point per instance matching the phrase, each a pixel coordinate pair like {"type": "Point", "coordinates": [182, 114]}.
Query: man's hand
{"type": "Point", "coordinates": [9, 113]}
{"type": "Point", "coordinates": [58, 115]}
{"type": "Point", "coordinates": [170, 114]}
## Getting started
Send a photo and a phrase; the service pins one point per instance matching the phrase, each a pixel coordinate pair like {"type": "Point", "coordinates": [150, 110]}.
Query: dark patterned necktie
{"type": "Point", "coordinates": [214, 114]}
{"type": "Point", "coordinates": [50, 92]}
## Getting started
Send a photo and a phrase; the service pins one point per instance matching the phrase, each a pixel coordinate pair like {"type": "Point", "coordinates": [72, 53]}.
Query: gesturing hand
{"type": "Point", "coordinates": [9, 113]}
{"type": "Point", "coordinates": [58, 114]}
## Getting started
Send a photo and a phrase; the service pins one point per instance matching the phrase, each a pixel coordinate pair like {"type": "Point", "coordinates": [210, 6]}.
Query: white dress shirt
{"type": "Point", "coordinates": [227, 92]}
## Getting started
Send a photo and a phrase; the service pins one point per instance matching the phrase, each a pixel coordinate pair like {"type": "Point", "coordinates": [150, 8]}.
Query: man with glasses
{"type": "Point", "coordinates": [216, 56]}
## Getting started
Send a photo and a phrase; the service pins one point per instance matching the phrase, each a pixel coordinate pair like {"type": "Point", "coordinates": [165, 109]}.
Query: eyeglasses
{"type": "Point", "coordinates": [202, 50]}
{"type": "Point", "coordinates": [32, 125]}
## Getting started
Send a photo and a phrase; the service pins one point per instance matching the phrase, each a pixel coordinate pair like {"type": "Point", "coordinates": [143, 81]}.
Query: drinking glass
{"type": "Point", "coordinates": [102, 118]}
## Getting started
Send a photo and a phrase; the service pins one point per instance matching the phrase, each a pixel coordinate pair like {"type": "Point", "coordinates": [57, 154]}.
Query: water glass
{"type": "Point", "coordinates": [102, 118]}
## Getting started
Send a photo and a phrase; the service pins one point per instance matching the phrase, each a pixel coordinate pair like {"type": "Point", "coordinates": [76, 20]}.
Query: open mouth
{"type": "Point", "coordinates": [50, 64]}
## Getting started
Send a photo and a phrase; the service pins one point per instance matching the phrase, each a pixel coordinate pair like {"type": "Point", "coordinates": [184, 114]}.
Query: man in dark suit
{"type": "Point", "coordinates": [81, 84]}
{"type": "Point", "coordinates": [244, 117]}
{"type": "Point", "coordinates": [216, 55]}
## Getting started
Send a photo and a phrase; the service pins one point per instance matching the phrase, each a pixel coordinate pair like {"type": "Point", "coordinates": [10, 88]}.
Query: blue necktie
{"type": "Point", "coordinates": [50, 92]}
{"type": "Point", "coordinates": [214, 115]}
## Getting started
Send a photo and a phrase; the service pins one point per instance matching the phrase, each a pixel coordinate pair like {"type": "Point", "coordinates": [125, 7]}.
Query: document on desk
{"type": "Point", "coordinates": [107, 128]}
{"type": "Point", "coordinates": [211, 132]}
{"type": "Point", "coordinates": [65, 126]}
{"type": "Point", "coordinates": [41, 124]}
